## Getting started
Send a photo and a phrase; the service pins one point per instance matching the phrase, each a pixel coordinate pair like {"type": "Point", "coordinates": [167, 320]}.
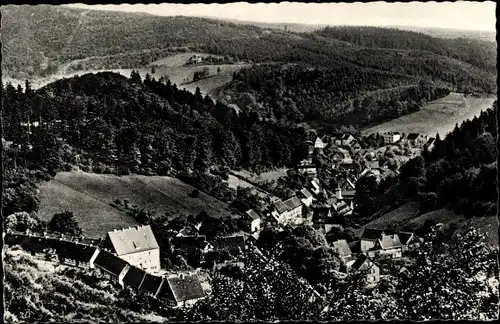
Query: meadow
{"type": "Point", "coordinates": [438, 116]}
{"type": "Point", "coordinates": [90, 197]}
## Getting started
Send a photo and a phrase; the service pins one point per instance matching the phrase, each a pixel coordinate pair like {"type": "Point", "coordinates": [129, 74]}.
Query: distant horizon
{"type": "Point", "coordinates": [460, 15]}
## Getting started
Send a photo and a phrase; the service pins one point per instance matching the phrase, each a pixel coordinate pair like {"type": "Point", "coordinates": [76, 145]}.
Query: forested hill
{"type": "Point", "coordinates": [109, 123]}
{"type": "Point", "coordinates": [459, 173]}
{"type": "Point", "coordinates": [476, 52]}
{"type": "Point", "coordinates": [39, 40]}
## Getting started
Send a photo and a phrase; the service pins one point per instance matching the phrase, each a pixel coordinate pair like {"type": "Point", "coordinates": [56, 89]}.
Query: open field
{"type": "Point", "coordinates": [396, 217]}
{"type": "Point", "coordinates": [272, 175]}
{"type": "Point", "coordinates": [171, 66]}
{"type": "Point", "coordinates": [89, 195]}
{"type": "Point", "coordinates": [439, 116]}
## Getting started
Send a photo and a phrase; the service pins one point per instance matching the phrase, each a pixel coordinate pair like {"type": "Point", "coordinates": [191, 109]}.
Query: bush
{"type": "Point", "coordinates": [66, 223]}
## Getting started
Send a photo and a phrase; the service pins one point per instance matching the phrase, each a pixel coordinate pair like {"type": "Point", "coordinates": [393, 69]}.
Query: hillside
{"type": "Point", "coordinates": [41, 291]}
{"type": "Point", "coordinates": [438, 116]}
{"type": "Point", "coordinates": [479, 53]}
{"type": "Point", "coordinates": [46, 40]}
{"type": "Point", "coordinates": [90, 197]}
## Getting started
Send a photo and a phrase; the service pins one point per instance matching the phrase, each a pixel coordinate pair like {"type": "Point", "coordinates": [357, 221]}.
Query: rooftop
{"type": "Point", "coordinates": [132, 240]}
{"type": "Point", "coordinates": [185, 287]}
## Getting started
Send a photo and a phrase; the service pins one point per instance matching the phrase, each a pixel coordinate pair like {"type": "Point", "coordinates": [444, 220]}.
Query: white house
{"type": "Point", "coordinates": [319, 144]}
{"type": "Point", "coordinates": [252, 219]}
{"type": "Point", "coordinates": [288, 210]}
{"type": "Point", "coordinates": [391, 137]}
{"type": "Point", "coordinates": [137, 246]}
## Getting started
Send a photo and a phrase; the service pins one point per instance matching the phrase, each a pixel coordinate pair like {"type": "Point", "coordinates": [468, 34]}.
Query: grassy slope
{"type": "Point", "coordinates": [72, 300]}
{"type": "Point", "coordinates": [438, 116]}
{"type": "Point", "coordinates": [89, 195]}
{"type": "Point", "coordinates": [408, 217]}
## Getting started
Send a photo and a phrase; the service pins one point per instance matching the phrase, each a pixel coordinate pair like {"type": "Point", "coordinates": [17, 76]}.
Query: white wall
{"type": "Point", "coordinates": [147, 260]}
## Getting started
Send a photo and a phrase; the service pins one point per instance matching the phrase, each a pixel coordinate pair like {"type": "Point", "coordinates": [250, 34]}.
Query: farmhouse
{"type": "Point", "coordinates": [391, 137]}
{"type": "Point", "coordinates": [252, 220]}
{"type": "Point", "coordinates": [387, 246]}
{"type": "Point", "coordinates": [183, 289]}
{"type": "Point", "coordinates": [415, 139]}
{"type": "Point", "coordinates": [342, 249]}
{"type": "Point", "coordinates": [135, 245]}
{"type": "Point", "coordinates": [288, 209]}
{"type": "Point", "coordinates": [363, 262]}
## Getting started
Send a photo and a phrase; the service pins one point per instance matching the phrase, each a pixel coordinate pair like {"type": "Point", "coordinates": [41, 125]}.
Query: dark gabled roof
{"type": "Point", "coordinates": [151, 284]}
{"type": "Point", "coordinates": [431, 140]}
{"type": "Point", "coordinates": [342, 247]}
{"type": "Point", "coordinates": [287, 205]}
{"type": "Point", "coordinates": [320, 213]}
{"type": "Point", "coordinates": [412, 136]}
{"type": "Point", "coordinates": [132, 240]}
{"type": "Point", "coordinates": [187, 287]}
{"type": "Point", "coordinates": [361, 262]}
{"type": "Point", "coordinates": [346, 136]}
{"type": "Point", "coordinates": [230, 243]}
{"type": "Point", "coordinates": [189, 243]}
{"type": "Point", "coordinates": [372, 233]}
{"type": "Point", "coordinates": [133, 278]}
{"type": "Point", "coordinates": [252, 214]}
{"type": "Point", "coordinates": [404, 237]}
{"type": "Point", "coordinates": [109, 262]}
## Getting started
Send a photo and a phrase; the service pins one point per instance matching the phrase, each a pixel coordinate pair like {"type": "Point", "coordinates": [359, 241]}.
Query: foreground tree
{"type": "Point", "coordinates": [66, 223]}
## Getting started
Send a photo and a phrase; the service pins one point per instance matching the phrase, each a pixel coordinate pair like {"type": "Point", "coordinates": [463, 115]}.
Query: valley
{"type": "Point", "coordinates": [167, 167]}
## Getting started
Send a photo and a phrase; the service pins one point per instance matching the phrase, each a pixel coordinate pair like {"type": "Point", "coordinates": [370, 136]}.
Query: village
{"type": "Point", "coordinates": [131, 256]}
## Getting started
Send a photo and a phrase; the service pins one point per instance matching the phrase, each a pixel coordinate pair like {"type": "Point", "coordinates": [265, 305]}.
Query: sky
{"type": "Point", "coordinates": [469, 15]}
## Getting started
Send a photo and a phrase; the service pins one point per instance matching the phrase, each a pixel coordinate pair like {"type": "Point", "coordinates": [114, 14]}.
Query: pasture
{"type": "Point", "coordinates": [172, 67]}
{"type": "Point", "coordinates": [438, 116]}
{"type": "Point", "coordinates": [89, 196]}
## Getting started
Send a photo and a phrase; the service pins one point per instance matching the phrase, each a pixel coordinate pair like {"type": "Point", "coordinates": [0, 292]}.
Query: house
{"type": "Point", "coordinates": [288, 209]}
{"type": "Point", "coordinates": [356, 146]}
{"type": "Point", "coordinates": [78, 253]}
{"type": "Point", "coordinates": [430, 143]}
{"type": "Point", "coordinates": [112, 265]}
{"type": "Point", "coordinates": [182, 289]}
{"type": "Point", "coordinates": [415, 139]}
{"type": "Point", "coordinates": [342, 249]}
{"type": "Point", "coordinates": [319, 144]}
{"type": "Point", "coordinates": [347, 139]}
{"type": "Point", "coordinates": [369, 239]}
{"type": "Point", "coordinates": [234, 244]}
{"type": "Point", "coordinates": [342, 209]}
{"type": "Point", "coordinates": [195, 59]}
{"type": "Point", "coordinates": [409, 240]}
{"type": "Point", "coordinates": [309, 169]}
{"type": "Point", "coordinates": [320, 215]}
{"type": "Point", "coordinates": [387, 246]}
{"type": "Point", "coordinates": [364, 263]}
{"type": "Point", "coordinates": [252, 220]}
{"type": "Point", "coordinates": [341, 155]}
{"type": "Point", "coordinates": [305, 197]}
{"type": "Point", "coordinates": [391, 137]}
{"type": "Point", "coordinates": [136, 245]}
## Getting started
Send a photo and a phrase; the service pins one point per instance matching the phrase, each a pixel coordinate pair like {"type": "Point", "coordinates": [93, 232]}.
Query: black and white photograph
{"type": "Point", "coordinates": [249, 162]}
